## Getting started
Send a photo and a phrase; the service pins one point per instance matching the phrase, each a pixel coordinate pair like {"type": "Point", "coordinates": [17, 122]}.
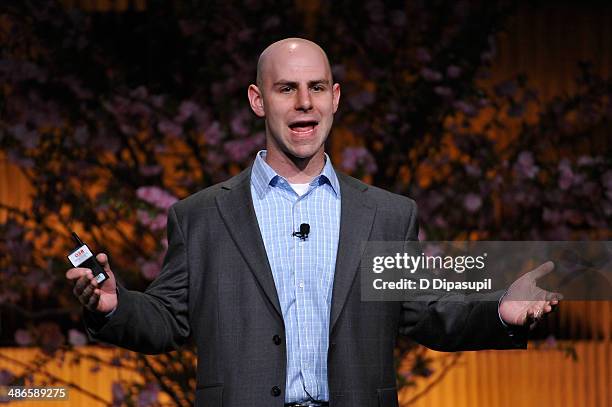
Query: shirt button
{"type": "Point", "coordinates": [275, 391]}
{"type": "Point", "coordinates": [277, 340]}
{"type": "Point", "coordinates": [301, 284]}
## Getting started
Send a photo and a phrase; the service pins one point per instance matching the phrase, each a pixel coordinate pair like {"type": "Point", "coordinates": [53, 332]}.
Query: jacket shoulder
{"type": "Point", "coordinates": [205, 198]}
{"type": "Point", "coordinates": [382, 197]}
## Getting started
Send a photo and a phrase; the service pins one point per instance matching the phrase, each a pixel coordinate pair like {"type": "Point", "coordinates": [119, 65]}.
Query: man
{"type": "Point", "coordinates": [278, 318]}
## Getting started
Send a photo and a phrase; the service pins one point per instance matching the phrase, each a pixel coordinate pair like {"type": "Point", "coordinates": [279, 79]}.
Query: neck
{"type": "Point", "coordinates": [295, 169]}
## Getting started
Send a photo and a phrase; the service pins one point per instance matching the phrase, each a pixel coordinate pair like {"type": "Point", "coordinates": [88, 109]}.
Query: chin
{"type": "Point", "coordinates": [303, 154]}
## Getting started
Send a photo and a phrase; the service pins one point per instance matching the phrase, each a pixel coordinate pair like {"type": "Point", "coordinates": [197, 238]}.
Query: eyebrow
{"type": "Point", "coordinates": [294, 84]}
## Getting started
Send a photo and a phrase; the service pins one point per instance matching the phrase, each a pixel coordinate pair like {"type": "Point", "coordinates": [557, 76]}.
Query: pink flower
{"type": "Point", "coordinates": [139, 93]}
{"type": "Point", "coordinates": [43, 288]}
{"type": "Point", "coordinates": [150, 270]}
{"type": "Point", "coordinates": [213, 134]}
{"type": "Point", "coordinates": [271, 22]}
{"type": "Point", "coordinates": [443, 91]}
{"type": "Point", "coordinates": [472, 202]}
{"type": "Point", "coordinates": [506, 89]}
{"type": "Point", "coordinates": [358, 157]}
{"type": "Point", "coordinates": [76, 338]}
{"type": "Point", "coordinates": [150, 170]}
{"type": "Point", "coordinates": [606, 180]}
{"type": "Point", "coordinates": [50, 336]}
{"type": "Point", "coordinates": [105, 142]}
{"type": "Point", "coordinates": [430, 75]}
{"type": "Point", "coordinates": [453, 71]}
{"type": "Point", "coordinates": [15, 158]}
{"type": "Point", "coordinates": [6, 377]}
{"type": "Point", "coordinates": [440, 222]}
{"type": "Point", "coordinates": [148, 395]}
{"type": "Point", "coordinates": [573, 216]}
{"type": "Point", "coordinates": [143, 217]}
{"type": "Point", "coordinates": [118, 393]}
{"type": "Point", "coordinates": [473, 170]}
{"type": "Point", "coordinates": [170, 128]}
{"type": "Point", "coordinates": [468, 109]}
{"type": "Point", "coordinates": [81, 135]}
{"type": "Point", "coordinates": [157, 222]}
{"type": "Point", "coordinates": [238, 150]}
{"type": "Point", "coordinates": [422, 55]}
{"type": "Point", "coordinates": [28, 138]}
{"type": "Point", "coordinates": [23, 337]}
{"type": "Point", "coordinates": [566, 175]}
{"type": "Point", "coordinates": [525, 165]}
{"type": "Point", "coordinates": [156, 197]}
{"type": "Point", "coordinates": [339, 72]}
{"type": "Point", "coordinates": [551, 216]}
{"type": "Point", "coordinates": [362, 99]}
{"type": "Point", "coordinates": [186, 110]}
{"type": "Point", "coordinates": [239, 123]}
{"type": "Point", "coordinates": [408, 375]}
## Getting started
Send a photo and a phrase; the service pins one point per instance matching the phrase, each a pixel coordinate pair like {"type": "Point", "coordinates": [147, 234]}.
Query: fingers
{"type": "Point", "coordinates": [82, 282]}
{"type": "Point", "coordinates": [85, 288]}
{"type": "Point", "coordinates": [92, 302]}
{"type": "Point", "coordinates": [553, 298]}
{"type": "Point", "coordinates": [542, 270]}
{"type": "Point", "coordinates": [537, 311]}
{"type": "Point", "coordinates": [76, 273]}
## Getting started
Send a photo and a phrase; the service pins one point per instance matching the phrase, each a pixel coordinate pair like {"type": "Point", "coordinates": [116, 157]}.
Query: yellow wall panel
{"type": "Point", "coordinates": [536, 377]}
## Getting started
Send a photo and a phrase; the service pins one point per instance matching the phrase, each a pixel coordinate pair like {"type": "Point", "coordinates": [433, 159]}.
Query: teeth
{"type": "Point", "coordinates": [302, 125]}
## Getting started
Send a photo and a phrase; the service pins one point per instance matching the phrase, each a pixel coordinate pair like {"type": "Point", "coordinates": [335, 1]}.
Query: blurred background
{"type": "Point", "coordinates": [495, 116]}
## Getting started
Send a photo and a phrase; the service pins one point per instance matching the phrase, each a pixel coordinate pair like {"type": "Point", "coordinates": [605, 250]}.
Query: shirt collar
{"type": "Point", "coordinates": [263, 176]}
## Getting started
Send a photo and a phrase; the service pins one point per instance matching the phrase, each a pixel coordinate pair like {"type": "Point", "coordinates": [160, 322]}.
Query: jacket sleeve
{"type": "Point", "coordinates": [456, 322]}
{"type": "Point", "coordinates": [156, 320]}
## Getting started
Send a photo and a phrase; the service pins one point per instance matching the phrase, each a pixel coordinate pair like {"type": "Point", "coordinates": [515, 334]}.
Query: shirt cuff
{"type": "Point", "coordinates": [498, 312]}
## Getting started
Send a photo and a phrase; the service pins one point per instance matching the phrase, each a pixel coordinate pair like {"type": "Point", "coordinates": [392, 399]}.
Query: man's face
{"type": "Point", "coordinates": [298, 100]}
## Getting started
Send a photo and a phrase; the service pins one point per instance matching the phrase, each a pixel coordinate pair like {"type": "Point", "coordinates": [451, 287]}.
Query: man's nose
{"type": "Point", "coordinates": [303, 101]}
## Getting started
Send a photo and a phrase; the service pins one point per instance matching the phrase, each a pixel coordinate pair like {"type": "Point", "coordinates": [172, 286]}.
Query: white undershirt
{"type": "Point", "coordinates": [300, 189]}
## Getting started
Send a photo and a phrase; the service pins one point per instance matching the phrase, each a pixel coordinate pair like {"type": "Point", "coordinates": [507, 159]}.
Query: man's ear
{"type": "Point", "coordinates": [256, 100]}
{"type": "Point", "coordinates": [336, 96]}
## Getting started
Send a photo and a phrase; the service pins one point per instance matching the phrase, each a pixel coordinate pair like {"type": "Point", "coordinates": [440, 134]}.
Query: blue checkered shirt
{"type": "Point", "coordinates": [303, 271]}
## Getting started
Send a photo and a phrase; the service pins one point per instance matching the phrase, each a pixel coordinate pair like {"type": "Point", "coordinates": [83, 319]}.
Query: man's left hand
{"type": "Point", "coordinates": [525, 303]}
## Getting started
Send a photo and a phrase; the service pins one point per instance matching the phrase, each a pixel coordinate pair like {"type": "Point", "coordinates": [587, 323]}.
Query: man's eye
{"type": "Point", "coordinates": [285, 89]}
{"type": "Point", "coordinates": [318, 88]}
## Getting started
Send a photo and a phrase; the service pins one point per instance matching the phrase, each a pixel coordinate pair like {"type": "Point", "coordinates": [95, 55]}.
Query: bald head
{"type": "Point", "coordinates": [281, 50]}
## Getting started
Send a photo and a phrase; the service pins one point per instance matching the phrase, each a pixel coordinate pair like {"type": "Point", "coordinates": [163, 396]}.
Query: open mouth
{"type": "Point", "coordinates": [303, 127]}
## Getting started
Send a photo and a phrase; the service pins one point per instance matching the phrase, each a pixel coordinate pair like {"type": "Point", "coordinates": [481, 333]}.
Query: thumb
{"type": "Point", "coordinates": [542, 270]}
{"type": "Point", "coordinates": [103, 260]}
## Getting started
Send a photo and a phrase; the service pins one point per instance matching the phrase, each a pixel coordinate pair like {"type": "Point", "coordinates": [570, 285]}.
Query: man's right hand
{"type": "Point", "coordinates": [101, 299]}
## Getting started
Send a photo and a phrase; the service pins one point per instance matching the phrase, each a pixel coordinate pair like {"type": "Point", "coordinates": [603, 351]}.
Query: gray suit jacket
{"type": "Point", "coordinates": [217, 287]}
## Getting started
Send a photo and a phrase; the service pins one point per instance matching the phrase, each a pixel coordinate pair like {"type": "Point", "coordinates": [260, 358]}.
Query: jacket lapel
{"type": "Point", "coordinates": [238, 214]}
{"type": "Point", "coordinates": [356, 219]}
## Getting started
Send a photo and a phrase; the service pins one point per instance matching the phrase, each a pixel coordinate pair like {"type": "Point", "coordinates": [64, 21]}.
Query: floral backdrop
{"type": "Point", "coordinates": [113, 117]}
